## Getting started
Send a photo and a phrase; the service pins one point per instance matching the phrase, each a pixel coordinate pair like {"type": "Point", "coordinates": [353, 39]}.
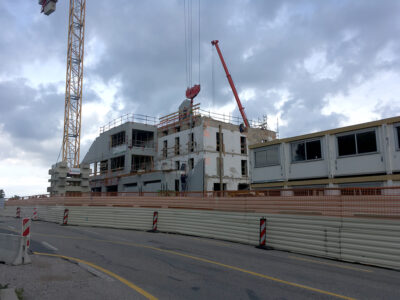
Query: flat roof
{"type": "Point", "coordinates": [330, 131]}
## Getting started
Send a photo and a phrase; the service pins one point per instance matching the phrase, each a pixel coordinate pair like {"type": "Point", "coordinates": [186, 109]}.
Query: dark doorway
{"type": "Point", "coordinates": [243, 186]}
{"type": "Point", "coordinates": [217, 186]}
{"type": "Point", "coordinates": [112, 190]}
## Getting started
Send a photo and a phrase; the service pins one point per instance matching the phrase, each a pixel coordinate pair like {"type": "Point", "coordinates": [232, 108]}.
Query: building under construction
{"type": "Point", "coordinates": [189, 150]}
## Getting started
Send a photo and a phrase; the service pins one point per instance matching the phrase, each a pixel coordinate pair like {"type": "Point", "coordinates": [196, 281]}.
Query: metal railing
{"type": "Point", "coordinates": [137, 118]}
{"type": "Point", "coordinates": [178, 117]}
{"type": "Point", "coordinates": [235, 120]}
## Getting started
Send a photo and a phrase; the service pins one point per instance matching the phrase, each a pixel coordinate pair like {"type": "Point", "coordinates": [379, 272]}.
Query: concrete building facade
{"type": "Point", "coordinates": [183, 151]}
{"type": "Point", "coordinates": [363, 155]}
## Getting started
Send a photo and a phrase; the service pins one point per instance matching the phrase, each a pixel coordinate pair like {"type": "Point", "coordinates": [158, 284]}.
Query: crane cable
{"type": "Point", "coordinates": [188, 25]}
{"type": "Point", "coordinates": [186, 51]}
{"type": "Point", "coordinates": [212, 74]}
{"type": "Point", "coordinates": [199, 40]}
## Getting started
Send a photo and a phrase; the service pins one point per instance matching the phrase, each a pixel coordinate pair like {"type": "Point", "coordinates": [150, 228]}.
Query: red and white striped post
{"type": "Point", "coordinates": [65, 219]}
{"type": "Point", "coordinates": [26, 230]}
{"type": "Point", "coordinates": [263, 232]}
{"type": "Point", "coordinates": [155, 220]}
{"type": "Point", "coordinates": [18, 215]}
{"type": "Point", "coordinates": [34, 217]}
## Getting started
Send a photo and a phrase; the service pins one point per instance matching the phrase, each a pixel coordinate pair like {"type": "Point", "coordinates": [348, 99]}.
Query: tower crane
{"type": "Point", "coordinates": [241, 109]}
{"type": "Point", "coordinates": [74, 78]}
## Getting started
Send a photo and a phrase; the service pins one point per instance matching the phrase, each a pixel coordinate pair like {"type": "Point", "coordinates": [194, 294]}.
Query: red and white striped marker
{"type": "Point", "coordinates": [26, 230]}
{"type": "Point", "coordinates": [34, 218]}
{"type": "Point", "coordinates": [155, 219]}
{"type": "Point", "coordinates": [263, 232]}
{"type": "Point", "coordinates": [18, 215]}
{"type": "Point", "coordinates": [65, 219]}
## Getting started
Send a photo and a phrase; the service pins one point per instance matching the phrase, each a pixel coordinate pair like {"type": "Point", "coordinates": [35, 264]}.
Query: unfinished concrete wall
{"type": "Point", "coordinates": [64, 181]}
{"type": "Point", "coordinates": [187, 149]}
{"type": "Point", "coordinates": [102, 149]}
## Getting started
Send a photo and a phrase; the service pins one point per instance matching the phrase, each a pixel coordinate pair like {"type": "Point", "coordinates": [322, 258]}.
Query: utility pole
{"type": "Point", "coordinates": [220, 158]}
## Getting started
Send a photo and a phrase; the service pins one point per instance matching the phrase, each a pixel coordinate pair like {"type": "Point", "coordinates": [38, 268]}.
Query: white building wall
{"type": "Point", "coordinates": [393, 143]}
{"type": "Point", "coordinates": [185, 154]}
{"type": "Point", "coordinates": [386, 160]}
{"type": "Point", "coordinates": [232, 158]}
{"type": "Point", "coordinates": [361, 164]}
{"type": "Point", "coordinates": [309, 168]}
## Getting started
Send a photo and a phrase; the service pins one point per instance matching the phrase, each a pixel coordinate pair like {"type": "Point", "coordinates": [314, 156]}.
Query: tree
{"type": "Point", "coordinates": [2, 194]}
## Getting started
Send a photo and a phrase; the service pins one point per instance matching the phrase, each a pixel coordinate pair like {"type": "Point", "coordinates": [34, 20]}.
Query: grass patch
{"type": "Point", "coordinates": [20, 293]}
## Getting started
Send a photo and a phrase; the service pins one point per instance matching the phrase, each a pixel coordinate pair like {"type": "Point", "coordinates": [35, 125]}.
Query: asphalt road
{"type": "Point", "coordinates": [170, 266]}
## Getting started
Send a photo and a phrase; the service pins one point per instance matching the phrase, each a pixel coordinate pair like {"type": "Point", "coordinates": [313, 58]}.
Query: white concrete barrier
{"type": "Point", "coordinates": [374, 241]}
{"type": "Point", "coordinates": [13, 249]}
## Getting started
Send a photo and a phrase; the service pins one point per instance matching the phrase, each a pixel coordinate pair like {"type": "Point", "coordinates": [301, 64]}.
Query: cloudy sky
{"type": "Point", "coordinates": [313, 65]}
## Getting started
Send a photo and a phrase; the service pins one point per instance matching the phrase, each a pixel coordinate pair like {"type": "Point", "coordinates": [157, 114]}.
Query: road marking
{"type": "Point", "coordinates": [253, 273]}
{"type": "Point", "coordinates": [123, 280]}
{"type": "Point", "coordinates": [87, 231]}
{"type": "Point", "coordinates": [214, 263]}
{"type": "Point", "coordinates": [330, 264]}
{"type": "Point", "coordinates": [95, 272]}
{"type": "Point", "coordinates": [93, 232]}
{"type": "Point", "coordinates": [47, 245]}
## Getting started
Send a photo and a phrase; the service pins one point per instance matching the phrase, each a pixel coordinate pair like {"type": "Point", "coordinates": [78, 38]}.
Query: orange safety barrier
{"type": "Point", "coordinates": [335, 202]}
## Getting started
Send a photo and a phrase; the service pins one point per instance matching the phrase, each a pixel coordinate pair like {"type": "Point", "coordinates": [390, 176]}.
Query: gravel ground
{"type": "Point", "coordinates": [55, 278]}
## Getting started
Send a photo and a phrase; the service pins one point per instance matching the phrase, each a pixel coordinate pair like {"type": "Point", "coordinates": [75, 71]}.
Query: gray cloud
{"type": "Point", "coordinates": [265, 44]}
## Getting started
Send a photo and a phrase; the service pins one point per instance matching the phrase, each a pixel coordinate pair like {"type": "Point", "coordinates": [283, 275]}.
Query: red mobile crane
{"type": "Point", "coordinates": [241, 109]}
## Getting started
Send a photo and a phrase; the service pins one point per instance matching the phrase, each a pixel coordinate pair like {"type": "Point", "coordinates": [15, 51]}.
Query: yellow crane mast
{"type": "Point", "coordinates": [74, 78]}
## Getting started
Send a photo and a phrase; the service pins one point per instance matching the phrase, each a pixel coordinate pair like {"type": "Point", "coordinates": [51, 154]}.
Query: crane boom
{"type": "Point", "coordinates": [241, 109]}
{"type": "Point", "coordinates": [74, 79]}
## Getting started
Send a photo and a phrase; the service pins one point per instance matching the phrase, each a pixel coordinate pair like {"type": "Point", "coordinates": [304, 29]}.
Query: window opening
{"type": "Point", "coordinates": [266, 157]}
{"type": "Point", "coordinates": [191, 142]}
{"type": "Point", "coordinates": [219, 140]}
{"type": "Point", "coordinates": [216, 186]}
{"type": "Point", "coordinates": [243, 145]}
{"type": "Point", "coordinates": [243, 186]}
{"type": "Point", "coordinates": [141, 138]}
{"type": "Point", "coordinates": [398, 136]}
{"type": "Point", "coordinates": [191, 163]}
{"type": "Point", "coordinates": [306, 150]}
{"type": "Point", "coordinates": [141, 163]}
{"type": "Point", "coordinates": [177, 146]}
{"type": "Point", "coordinates": [117, 163]}
{"type": "Point", "coordinates": [103, 166]}
{"type": "Point", "coordinates": [176, 185]}
{"type": "Point", "coordinates": [244, 167]}
{"type": "Point", "coordinates": [118, 139]}
{"type": "Point", "coordinates": [357, 143]}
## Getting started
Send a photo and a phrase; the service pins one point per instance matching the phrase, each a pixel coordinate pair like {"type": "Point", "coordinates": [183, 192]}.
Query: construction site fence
{"type": "Point", "coordinates": [338, 202]}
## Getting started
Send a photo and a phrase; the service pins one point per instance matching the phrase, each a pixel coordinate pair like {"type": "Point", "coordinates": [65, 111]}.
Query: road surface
{"type": "Point", "coordinates": [170, 266]}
